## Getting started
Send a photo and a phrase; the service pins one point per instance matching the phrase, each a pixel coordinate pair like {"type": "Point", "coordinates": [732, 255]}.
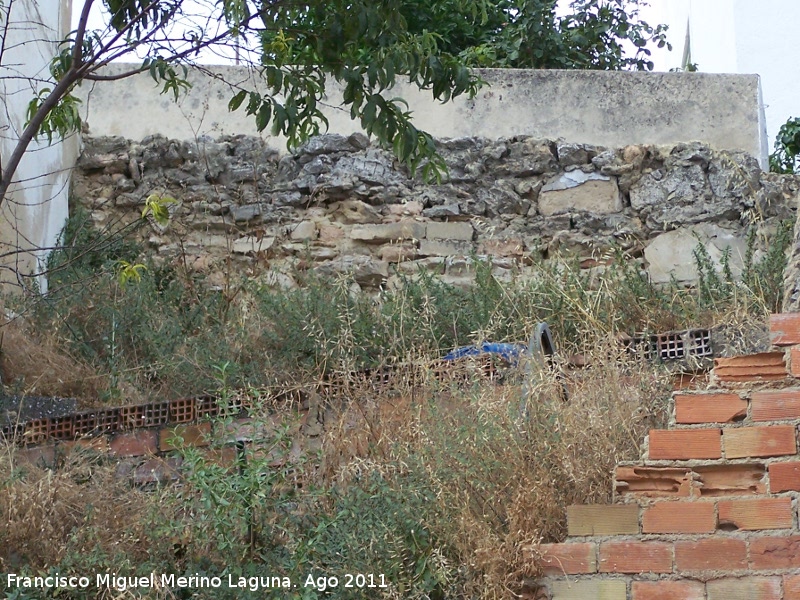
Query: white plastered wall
{"type": "Point", "coordinates": [35, 211]}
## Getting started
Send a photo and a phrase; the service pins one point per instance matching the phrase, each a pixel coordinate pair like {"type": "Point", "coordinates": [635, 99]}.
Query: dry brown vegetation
{"type": "Point", "coordinates": [497, 476]}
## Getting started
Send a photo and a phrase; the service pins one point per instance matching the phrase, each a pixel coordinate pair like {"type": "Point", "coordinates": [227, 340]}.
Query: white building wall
{"type": "Point", "coordinates": [35, 211]}
{"type": "Point", "coordinates": [740, 36]}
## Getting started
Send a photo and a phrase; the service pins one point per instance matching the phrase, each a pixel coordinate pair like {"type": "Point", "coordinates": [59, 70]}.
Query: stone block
{"type": "Point", "coordinates": [251, 244]}
{"type": "Point", "coordinates": [444, 248]}
{"type": "Point", "coordinates": [305, 230]}
{"type": "Point", "coordinates": [579, 191]}
{"type": "Point", "coordinates": [388, 232]}
{"type": "Point", "coordinates": [671, 254]}
{"type": "Point", "coordinates": [459, 230]}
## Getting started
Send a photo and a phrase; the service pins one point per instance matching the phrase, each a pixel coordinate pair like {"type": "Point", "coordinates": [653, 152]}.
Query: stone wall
{"type": "Point", "coordinates": [342, 205]}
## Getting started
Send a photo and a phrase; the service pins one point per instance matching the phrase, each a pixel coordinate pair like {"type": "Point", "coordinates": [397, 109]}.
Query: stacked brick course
{"type": "Point", "coordinates": [711, 512]}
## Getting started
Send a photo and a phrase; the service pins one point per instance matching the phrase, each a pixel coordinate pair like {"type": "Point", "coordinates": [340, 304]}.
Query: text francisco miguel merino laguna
{"type": "Point", "coordinates": [168, 580]}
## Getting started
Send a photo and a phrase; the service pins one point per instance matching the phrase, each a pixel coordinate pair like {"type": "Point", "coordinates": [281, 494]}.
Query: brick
{"type": "Point", "coordinates": [761, 513]}
{"type": "Point", "coordinates": [596, 589]}
{"type": "Point", "coordinates": [709, 408]}
{"type": "Point", "coordinates": [784, 477]}
{"type": "Point", "coordinates": [794, 361]}
{"type": "Point", "coordinates": [668, 590]}
{"type": "Point", "coordinates": [744, 588]}
{"type": "Point", "coordinates": [775, 552]}
{"type": "Point", "coordinates": [711, 554]}
{"type": "Point", "coordinates": [227, 456]}
{"type": "Point", "coordinates": [791, 587]}
{"type": "Point", "coordinates": [679, 517]}
{"type": "Point", "coordinates": [602, 519]}
{"type": "Point", "coordinates": [157, 470]}
{"type": "Point", "coordinates": [684, 444]}
{"type": "Point", "coordinates": [784, 329]}
{"type": "Point", "coordinates": [775, 440]}
{"type": "Point", "coordinates": [42, 457]}
{"type": "Point", "coordinates": [730, 480]}
{"type": "Point", "coordinates": [182, 436]}
{"type": "Point", "coordinates": [137, 443]}
{"type": "Point", "coordinates": [653, 482]}
{"type": "Point", "coordinates": [775, 405]}
{"type": "Point", "coordinates": [635, 557]}
{"type": "Point", "coordinates": [97, 444]}
{"type": "Point", "coordinates": [568, 559]}
{"type": "Point", "coordinates": [766, 366]}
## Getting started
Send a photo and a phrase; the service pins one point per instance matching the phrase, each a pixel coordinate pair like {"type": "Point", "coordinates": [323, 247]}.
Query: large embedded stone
{"type": "Point", "coordinates": [671, 254]}
{"type": "Point", "coordinates": [459, 230]}
{"type": "Point", "coordinates": [389, 232]}
{"type": "Point", "coordinates": [576, 190]}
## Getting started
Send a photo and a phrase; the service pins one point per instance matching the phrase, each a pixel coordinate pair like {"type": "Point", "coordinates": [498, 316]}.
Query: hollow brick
{"type": "Point", "coordinates": [653, 482]}
{"type": "Point", "coordinates": [137, 443]}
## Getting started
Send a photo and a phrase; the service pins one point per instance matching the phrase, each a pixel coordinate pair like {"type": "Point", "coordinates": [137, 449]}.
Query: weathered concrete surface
{"type": "Point", "coordinates": [611, 109]}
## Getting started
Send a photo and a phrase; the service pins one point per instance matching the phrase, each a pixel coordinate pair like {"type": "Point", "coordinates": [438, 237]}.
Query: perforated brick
{"type": "Point", "coordinates": [182, 410]}
{"type": "Point", "coordinates": [775, 552]}
{"type": "Point", "coordinates": [602, 519]}
{"type": "Point", "coordinates": [679, 517]}
{"type": "Point", "coordinates": [709, 408]}
{"type": "Point", "coordinates": [61, 428]}
{"type": "Point", "coordinates": [684, 444]}
{"type": "Point", "coordinates": [156, 413]}
{"type": "Point", "coordinates": [107, 420]}
{"type": "Point", "coordinates": [774, 440]}
{"type": "Point", "coordinates": [711, 554]}
{"type": "Point", "coordinates": [36, 431]}
{"type": "Point", "coordinates": [133, 416]}
{"type": "Point", "coordinates": [207, 407]}
{"type": "Point", "coordinates": [756, 513]}
{"type": "Point", "coordinates": [635, 557]}
{"type": "Point", "coordinates": [84, 423]}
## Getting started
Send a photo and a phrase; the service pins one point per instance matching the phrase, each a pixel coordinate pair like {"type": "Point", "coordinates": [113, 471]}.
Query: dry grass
{"type": "Point", "coordinates": [500, 480]}
{"type": "Point", "coordinates": [503, 481]}
{"type": "Point", "coordinates": [48, 517]}
{"type": "Point", "coordinates": [35, 363]}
